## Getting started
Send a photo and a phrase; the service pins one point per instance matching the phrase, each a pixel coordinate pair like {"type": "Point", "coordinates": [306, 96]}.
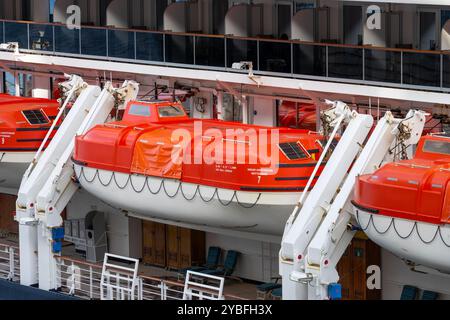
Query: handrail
{"type": "Point", "coordinates": [159, 280]}
{"type": "Point", "coordinates": [338, 62]}
{"type": "Point", "coordinates": [227, 36]}
{"type": "Point", "coordinates": [9, 245]}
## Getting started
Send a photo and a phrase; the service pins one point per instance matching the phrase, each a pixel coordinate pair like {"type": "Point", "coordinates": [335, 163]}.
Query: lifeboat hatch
{"type": "Point", "coordinates": [154, 155]}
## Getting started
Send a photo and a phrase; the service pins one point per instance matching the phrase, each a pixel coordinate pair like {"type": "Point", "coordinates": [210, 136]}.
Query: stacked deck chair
{"type": "Point", "coordinates": [212, 262]}
{"type": "Point", "coordinates": [264, 290]}
{"type": "Point", "coordinates": [228, 267]}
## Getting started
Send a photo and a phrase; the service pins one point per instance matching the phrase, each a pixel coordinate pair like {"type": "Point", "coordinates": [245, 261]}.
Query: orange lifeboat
{"type": "Point", "coordinates": [405, 206]}
{"type": "Point", "coordinates": [158, 162]}
{"type": "Point", "coordinates": [24, 123]}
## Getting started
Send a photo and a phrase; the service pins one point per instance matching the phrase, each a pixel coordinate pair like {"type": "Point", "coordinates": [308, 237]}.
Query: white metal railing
{"type": "Point", "coordinates": [200, 286]}
{"type": "Point", "coordinates": [79, 278]}
{"type": "Point", "coordinates": [9, 262]}
{"type": "Point", "coordinates": [118, 282]}
{"type": "Point", "coordinates": [83, 280]}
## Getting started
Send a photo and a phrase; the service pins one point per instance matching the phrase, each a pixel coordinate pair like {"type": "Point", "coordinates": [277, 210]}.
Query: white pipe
{"type": "Point", "coordinates": [319, 163]}
{"type": "Point", "coordinates": [16, 84]}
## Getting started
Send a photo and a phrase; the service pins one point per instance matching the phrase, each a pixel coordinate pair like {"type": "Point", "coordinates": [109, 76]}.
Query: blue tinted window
{"type": "Point", "coordinates": [139, 110]}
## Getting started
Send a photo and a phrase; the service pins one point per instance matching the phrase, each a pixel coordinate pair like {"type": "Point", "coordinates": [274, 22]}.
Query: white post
{"type": "Point", "coordinates": [11, 264]}
{"type": "Point", "coordinates": [245, 118]}
{"type": "Point", "coordinates": [46, 259]}
{"type": "Point", "coordinates": [90, 282]}
{"type": "Point", "coordinates": [16, 84]}
{"type": "Point", "coordinates": [220, 105]}
{"type": "Point", "coordinates": [163, 291]}
{"type": "Point", "coordinates": [28, 253]}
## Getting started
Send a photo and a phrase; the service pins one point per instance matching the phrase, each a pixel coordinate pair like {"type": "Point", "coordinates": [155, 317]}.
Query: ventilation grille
{"type": "Point", "coordinates": [333, 145]}
{"type": "Point", "coordinates": [293, 151]}
{"type": "Point", "coordinates": [35, 117]}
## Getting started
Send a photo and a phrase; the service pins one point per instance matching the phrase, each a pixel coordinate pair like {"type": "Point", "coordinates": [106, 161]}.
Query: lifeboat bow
{"type": "Point", "coordinates": [405, 206]}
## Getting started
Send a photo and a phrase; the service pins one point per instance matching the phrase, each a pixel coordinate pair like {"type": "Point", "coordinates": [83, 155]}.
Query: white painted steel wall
{"type": "Point", "coordinates": [303, 25]}
{"type": "Point", "coordinates": [395, 274]}
{"type": "Point", "coordinates": [375, 37]}
{"type": "Point", "coordinates": [41, 87]}
{"type": "Point", "coordinates": [264, 112]}
{"type": "Point", "coordinates": [236, 20]}
{"type": "Point", "coordinates": [175, 17]}
{"type": "Point", "coordinates": [117, 14]}
{"type": "Point", "coordinates": [257, 260]}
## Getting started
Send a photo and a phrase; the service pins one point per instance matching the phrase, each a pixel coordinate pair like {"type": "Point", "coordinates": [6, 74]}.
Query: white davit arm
{"type": "Point", "coordinates": [41, 168]}
{"type": "Point", "coordinates": [59, 186]}
{"type": "Point", "coordinates": [336, 115]}
{"type": "Point", "coordinates": [44, 161]}
{"type": "Point", "coordinates": [333, 235]}
{"type": "Point", "coordinates": [299, 234]}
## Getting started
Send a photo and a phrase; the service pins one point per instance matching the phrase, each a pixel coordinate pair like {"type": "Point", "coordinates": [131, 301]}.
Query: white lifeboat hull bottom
{"type": "Point", "coordinates": [12, 167]}
{"type": "Point", "coordinates": [419, 242]}
{"type": "Point", "coordinates": [262, 213]}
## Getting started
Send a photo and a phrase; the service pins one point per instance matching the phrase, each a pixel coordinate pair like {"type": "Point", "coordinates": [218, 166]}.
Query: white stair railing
{"type": "Point", "coordinates": [119, 282]}
{"type": "Point", "coordinates": [9, 262]}
{"type": "Point", "coordinates": [83, 279]}
{"type": "Point", "coordinates": [200, 286]}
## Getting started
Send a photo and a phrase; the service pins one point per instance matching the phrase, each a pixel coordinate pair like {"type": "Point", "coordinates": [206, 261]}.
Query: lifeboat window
{"type": "Point", "coordinates": [35, 117]}
{"type": "Point", "coordinates": [433, 146]}
{"type": "Point", "coordinates": [139, 110]}
{"type": "Point", "coordinates": [293, 151]}
{"type": "Point", "coordinates": [170, 111]}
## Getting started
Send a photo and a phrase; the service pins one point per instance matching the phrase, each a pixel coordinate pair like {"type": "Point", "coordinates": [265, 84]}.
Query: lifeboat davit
{"type": "Point", "coordinates": [405, 206]}
{"type": "Point", "coordinates": [159, 163]}
{"type": "Point", "coordinates": [24, 123]}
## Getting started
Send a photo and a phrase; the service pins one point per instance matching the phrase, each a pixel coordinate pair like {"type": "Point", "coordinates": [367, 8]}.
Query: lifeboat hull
{"type": "Point", "coordinates": [12, 167]}
{"type": "Point", "coordinates": [419, 242]}
{"type": "Point", "coordinates": [175, 201]}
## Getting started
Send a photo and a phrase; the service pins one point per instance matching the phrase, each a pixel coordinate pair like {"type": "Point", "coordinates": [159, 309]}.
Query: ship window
{"type": "Point", "coordinates": [170, 111]}
{"type": "Point", "coordinates": [35, 117]}
{"type": "Point", "coordinates": [434, 146]}
{"type": "Point", "coordinates": [293, 151]}
{"type": "Point", "coordinates": [139, 110]}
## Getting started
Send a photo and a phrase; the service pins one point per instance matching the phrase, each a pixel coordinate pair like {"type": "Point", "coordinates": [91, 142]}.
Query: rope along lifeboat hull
{"type": "Point", "coordinates": [24, 123]}
{"type": "Point", "coordinates": [175, 201]}
{"type": "Point", "coordinates": [130, 165]}
{"type": "Point", "coordinates": [422, 243]}
{"type": "Point", "coordinates": [405, 206]}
